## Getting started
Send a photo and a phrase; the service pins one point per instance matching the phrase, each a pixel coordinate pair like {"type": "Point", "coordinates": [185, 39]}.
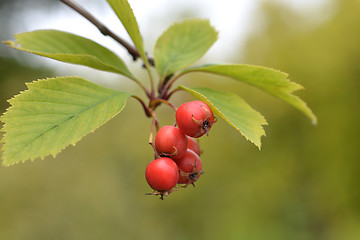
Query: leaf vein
{"type": "Point", "coordinates": [46, 131]}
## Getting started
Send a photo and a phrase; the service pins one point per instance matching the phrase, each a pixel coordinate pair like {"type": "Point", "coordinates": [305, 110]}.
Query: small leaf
{"type": "Point", "coordinates": [70, 48]}
{"type": "Point", "coordinates": [234, 110]}
{"type": "Point", "coordinates": [267, 79]}
{"type": "Point", "coordinates": [124, 12]}
{"type": "Point", "coordinates": [54, 113]}
{"type": "Point", "coordinates": [182, 44]}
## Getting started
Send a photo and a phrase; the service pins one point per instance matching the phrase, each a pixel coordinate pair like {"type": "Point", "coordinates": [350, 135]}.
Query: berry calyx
{"type": "Point", "coordinates": [171, 142]}
{"type": "Point", "coordinates": [162, 174]}
{"type": "Point", "coordinates": [193, 145]}
{"type": "Point", "coordinates": [194, 118]}
{"type": "Point", "coordinates": [190, 168]}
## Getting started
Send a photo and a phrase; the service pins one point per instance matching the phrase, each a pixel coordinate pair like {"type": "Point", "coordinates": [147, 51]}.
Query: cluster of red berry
{"type": "Point", "coordinates": [178, 150]}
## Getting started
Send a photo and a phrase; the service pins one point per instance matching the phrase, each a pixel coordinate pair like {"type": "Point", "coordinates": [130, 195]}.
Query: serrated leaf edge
{"type": "Point", "coordinates": [290, 89]}
{"type": "Point", "coordinates": [165, 72]}
{"type": "Point", "coordinates": [141, 51]}
{"type": "Point", "coordinates": [227, 120]}
{"type": "Point", "coordinates": [16, 45]}
{"type": "Point", "coordinates": [3, 116]}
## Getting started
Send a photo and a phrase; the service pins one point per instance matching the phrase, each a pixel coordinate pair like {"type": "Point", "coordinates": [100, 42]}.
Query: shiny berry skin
{"type": "Point", "coordinates": [162, 174]}
{"type": "Point", "coordinates": [171, 142]}
{"type": "Point", "coordinates": [190, 168]}
{"type": "Point", "coordinates": [194, 118]}
{"type": "Point", "coordinates": [193, 145]}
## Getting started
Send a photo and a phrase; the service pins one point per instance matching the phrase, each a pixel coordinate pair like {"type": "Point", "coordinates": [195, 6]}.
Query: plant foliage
{"type": "Point", "coordinates": [56, 112]}
{"type": "Point", "coordinates": [70, 48]}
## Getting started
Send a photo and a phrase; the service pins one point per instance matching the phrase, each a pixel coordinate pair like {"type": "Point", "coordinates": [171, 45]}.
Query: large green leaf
{"type": "Point", "coordinates": [54, 113]}
{"type": "Point", "coordinates": [125, 14]}
{"type": "Point", "coordinates": [70, 48]}
{"type": "Point", "coordinates": [267, 79]}
{"type": "Point", "coordinates": [234, 110]}
{"type": "Point", "coordinates": [182, 44]}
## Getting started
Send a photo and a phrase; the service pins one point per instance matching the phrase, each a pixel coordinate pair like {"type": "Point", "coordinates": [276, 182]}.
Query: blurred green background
{"type": "Point", "coordinates": [302, 185]}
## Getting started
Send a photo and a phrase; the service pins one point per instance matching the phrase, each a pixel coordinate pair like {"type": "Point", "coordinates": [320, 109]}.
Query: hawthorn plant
{"type": "Point", "coordinates": [54, 113]}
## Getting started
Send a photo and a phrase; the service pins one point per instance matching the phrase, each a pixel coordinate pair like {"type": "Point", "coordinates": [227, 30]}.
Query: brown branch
{"type": "Point", "coordinates": [104, 30]}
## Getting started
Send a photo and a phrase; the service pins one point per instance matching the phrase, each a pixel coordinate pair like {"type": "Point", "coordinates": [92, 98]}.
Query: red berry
{"type": "Point", "coordinates": [190, 167]}
{"type": "Point", "coordinates": [194, 118]}
{"type": "Point", "coordinates": [171, 142]}
{"type": "Point", "coordinates": [193, 145]}
{"type": "Point", "coordinates": [162, 174]}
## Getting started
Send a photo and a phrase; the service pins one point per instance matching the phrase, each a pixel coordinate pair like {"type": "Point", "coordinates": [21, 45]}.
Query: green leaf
{"type": "Point", "coordinates": [267, 79]}
{"type": "Point", "coordinates": [182, 44]}
{"type": "Point", "coordinates": [70, 48]}
{"type": "Point", "coordinates": [234, 110]}
{"type": "Point", "coordinates": [54, 113]}
{"type": "Point", "coordinates": [125, 14]}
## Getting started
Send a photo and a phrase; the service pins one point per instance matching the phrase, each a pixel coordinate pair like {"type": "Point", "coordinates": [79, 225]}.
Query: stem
{"type": "Point", "coordinates": [171, 93]}
{"type": "Point", "coordinates": [155, 119]}
{"type": "Point", "coordinates": [155, 102]}
{"type": "Point", "coordinates": [148, 94]}
{"type": "Point", "coordinates": [102, 28]}
{"type": "Point", "coordinates": [146, 109]}
{"type": "Point", "coordinates": [151, 140]}
{"type": "Point", "coordinates": [152, 93]}
{"type": "Point", "coordinates": [105, 31]}
{"type": "Point", "coordinates": [168, 86]}
{"type": "Point", "coordinates": [154, 123]}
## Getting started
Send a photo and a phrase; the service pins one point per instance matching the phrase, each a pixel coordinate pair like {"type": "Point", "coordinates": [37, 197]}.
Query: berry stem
{"type": "Point", "coordinates": [164, 193]}
{"type": "Point", "coordinates": [154, 124]}
{"type": "Point", "coordinates": [156, 102]}
{"type": "Point", "coordinates": [155, 120]}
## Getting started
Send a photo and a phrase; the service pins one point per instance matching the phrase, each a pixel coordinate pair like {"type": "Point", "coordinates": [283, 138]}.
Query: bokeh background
{"type": "Point", "coordinates": [303, 184]}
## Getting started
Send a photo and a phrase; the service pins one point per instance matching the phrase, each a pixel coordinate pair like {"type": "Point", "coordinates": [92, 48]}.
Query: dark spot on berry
{"type": "Point", "coordinates": [194, 176]}
{"type": "Point", "coordinates": [205, 125]}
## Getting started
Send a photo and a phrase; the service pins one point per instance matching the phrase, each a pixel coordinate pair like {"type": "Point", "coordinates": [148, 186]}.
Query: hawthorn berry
{"type": "Point", "coordinates": [171, 142]}
{"type": "Point", "coordinates": [190, 168]}
{"type": "Point", "coordinates": [194, 118]}
{"type": "Point", "coordinates": [194, 145]}
{"type": "Point", "coordinates": [162, 174]}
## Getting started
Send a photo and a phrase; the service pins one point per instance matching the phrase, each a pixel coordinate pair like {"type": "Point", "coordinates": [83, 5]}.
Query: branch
{"type": "Point", "coordinates": [104, 30]}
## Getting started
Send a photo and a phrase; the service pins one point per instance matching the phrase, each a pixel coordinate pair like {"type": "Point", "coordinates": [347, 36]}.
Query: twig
{"type": "Point", "coordinates": [104, 30]}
